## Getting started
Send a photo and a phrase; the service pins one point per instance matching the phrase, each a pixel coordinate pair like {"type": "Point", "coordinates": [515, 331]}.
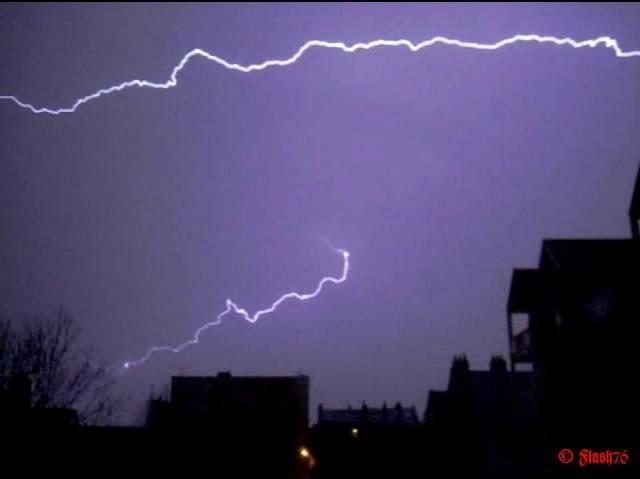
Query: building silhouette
{"type": "Point", "coordinates": [487, 417]}
{"type": "Point", "coordinates": [231, 426]}
{"type": "Point", "coordinates": [573, 321]}
{"type": "Point", "coordinates": [250, 425]}
{"type": "Point", "coordinates": [366, 416]}
{"type": "Point", "coordinates": [572, 327]}
{"type": "Point", "coordinates": [367, 442]}
{"type": "Point", "coordinates": [19, 415]}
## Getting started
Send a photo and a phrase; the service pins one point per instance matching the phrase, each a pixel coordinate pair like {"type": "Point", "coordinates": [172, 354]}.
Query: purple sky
{"type": "Point", "coordinates": [439, 171]}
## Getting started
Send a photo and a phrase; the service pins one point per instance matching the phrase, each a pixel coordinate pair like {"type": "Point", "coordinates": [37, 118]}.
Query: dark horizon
{"type": "Point", "coordinates": [439, 171]}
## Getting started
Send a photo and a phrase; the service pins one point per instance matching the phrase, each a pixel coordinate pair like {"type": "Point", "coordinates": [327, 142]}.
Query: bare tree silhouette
{"type": "Point", "coordinates": [63, 375]}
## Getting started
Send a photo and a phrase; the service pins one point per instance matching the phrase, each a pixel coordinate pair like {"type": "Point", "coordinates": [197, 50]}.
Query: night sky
{"type": "Point", "coordinates": [440, 171]}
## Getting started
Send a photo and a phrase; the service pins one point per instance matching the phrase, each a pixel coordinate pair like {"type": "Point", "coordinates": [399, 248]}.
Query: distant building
{"type": "Point", "coordinates": [17, 412]}
{"type": "Point", "coordinates": [487, 417]}
{"type": "Point", "coordinates": [367, 442]}
{"type": "Point", "coordinates": [252, 425]}
{"type": "Point", "coordinates": [366, 416]}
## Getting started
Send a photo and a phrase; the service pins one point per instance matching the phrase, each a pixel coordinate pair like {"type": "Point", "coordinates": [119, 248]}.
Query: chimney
{"type": "Point", "coordinates": [459, 374]}
{"type": "Point", "coordinates": [365, 413]}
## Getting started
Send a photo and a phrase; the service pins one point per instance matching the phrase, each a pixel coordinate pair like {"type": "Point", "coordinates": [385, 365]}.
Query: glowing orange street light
{"type": "Point", "coordinates": [306, 455]}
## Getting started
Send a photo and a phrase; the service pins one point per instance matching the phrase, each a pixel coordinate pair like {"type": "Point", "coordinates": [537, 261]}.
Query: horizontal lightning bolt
{"type": "Point", "coordinates": [607, 42]}
{"type": "Point", "coordinates": [233, 307]}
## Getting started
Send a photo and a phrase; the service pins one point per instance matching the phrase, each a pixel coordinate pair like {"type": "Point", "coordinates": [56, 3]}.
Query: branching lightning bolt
{"type": "Point", "coordinates": [172, 82]}
{"type": "Point", "coordinates": [233, 307]}
{"type": "Point", "coordinates": [606, 42]}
